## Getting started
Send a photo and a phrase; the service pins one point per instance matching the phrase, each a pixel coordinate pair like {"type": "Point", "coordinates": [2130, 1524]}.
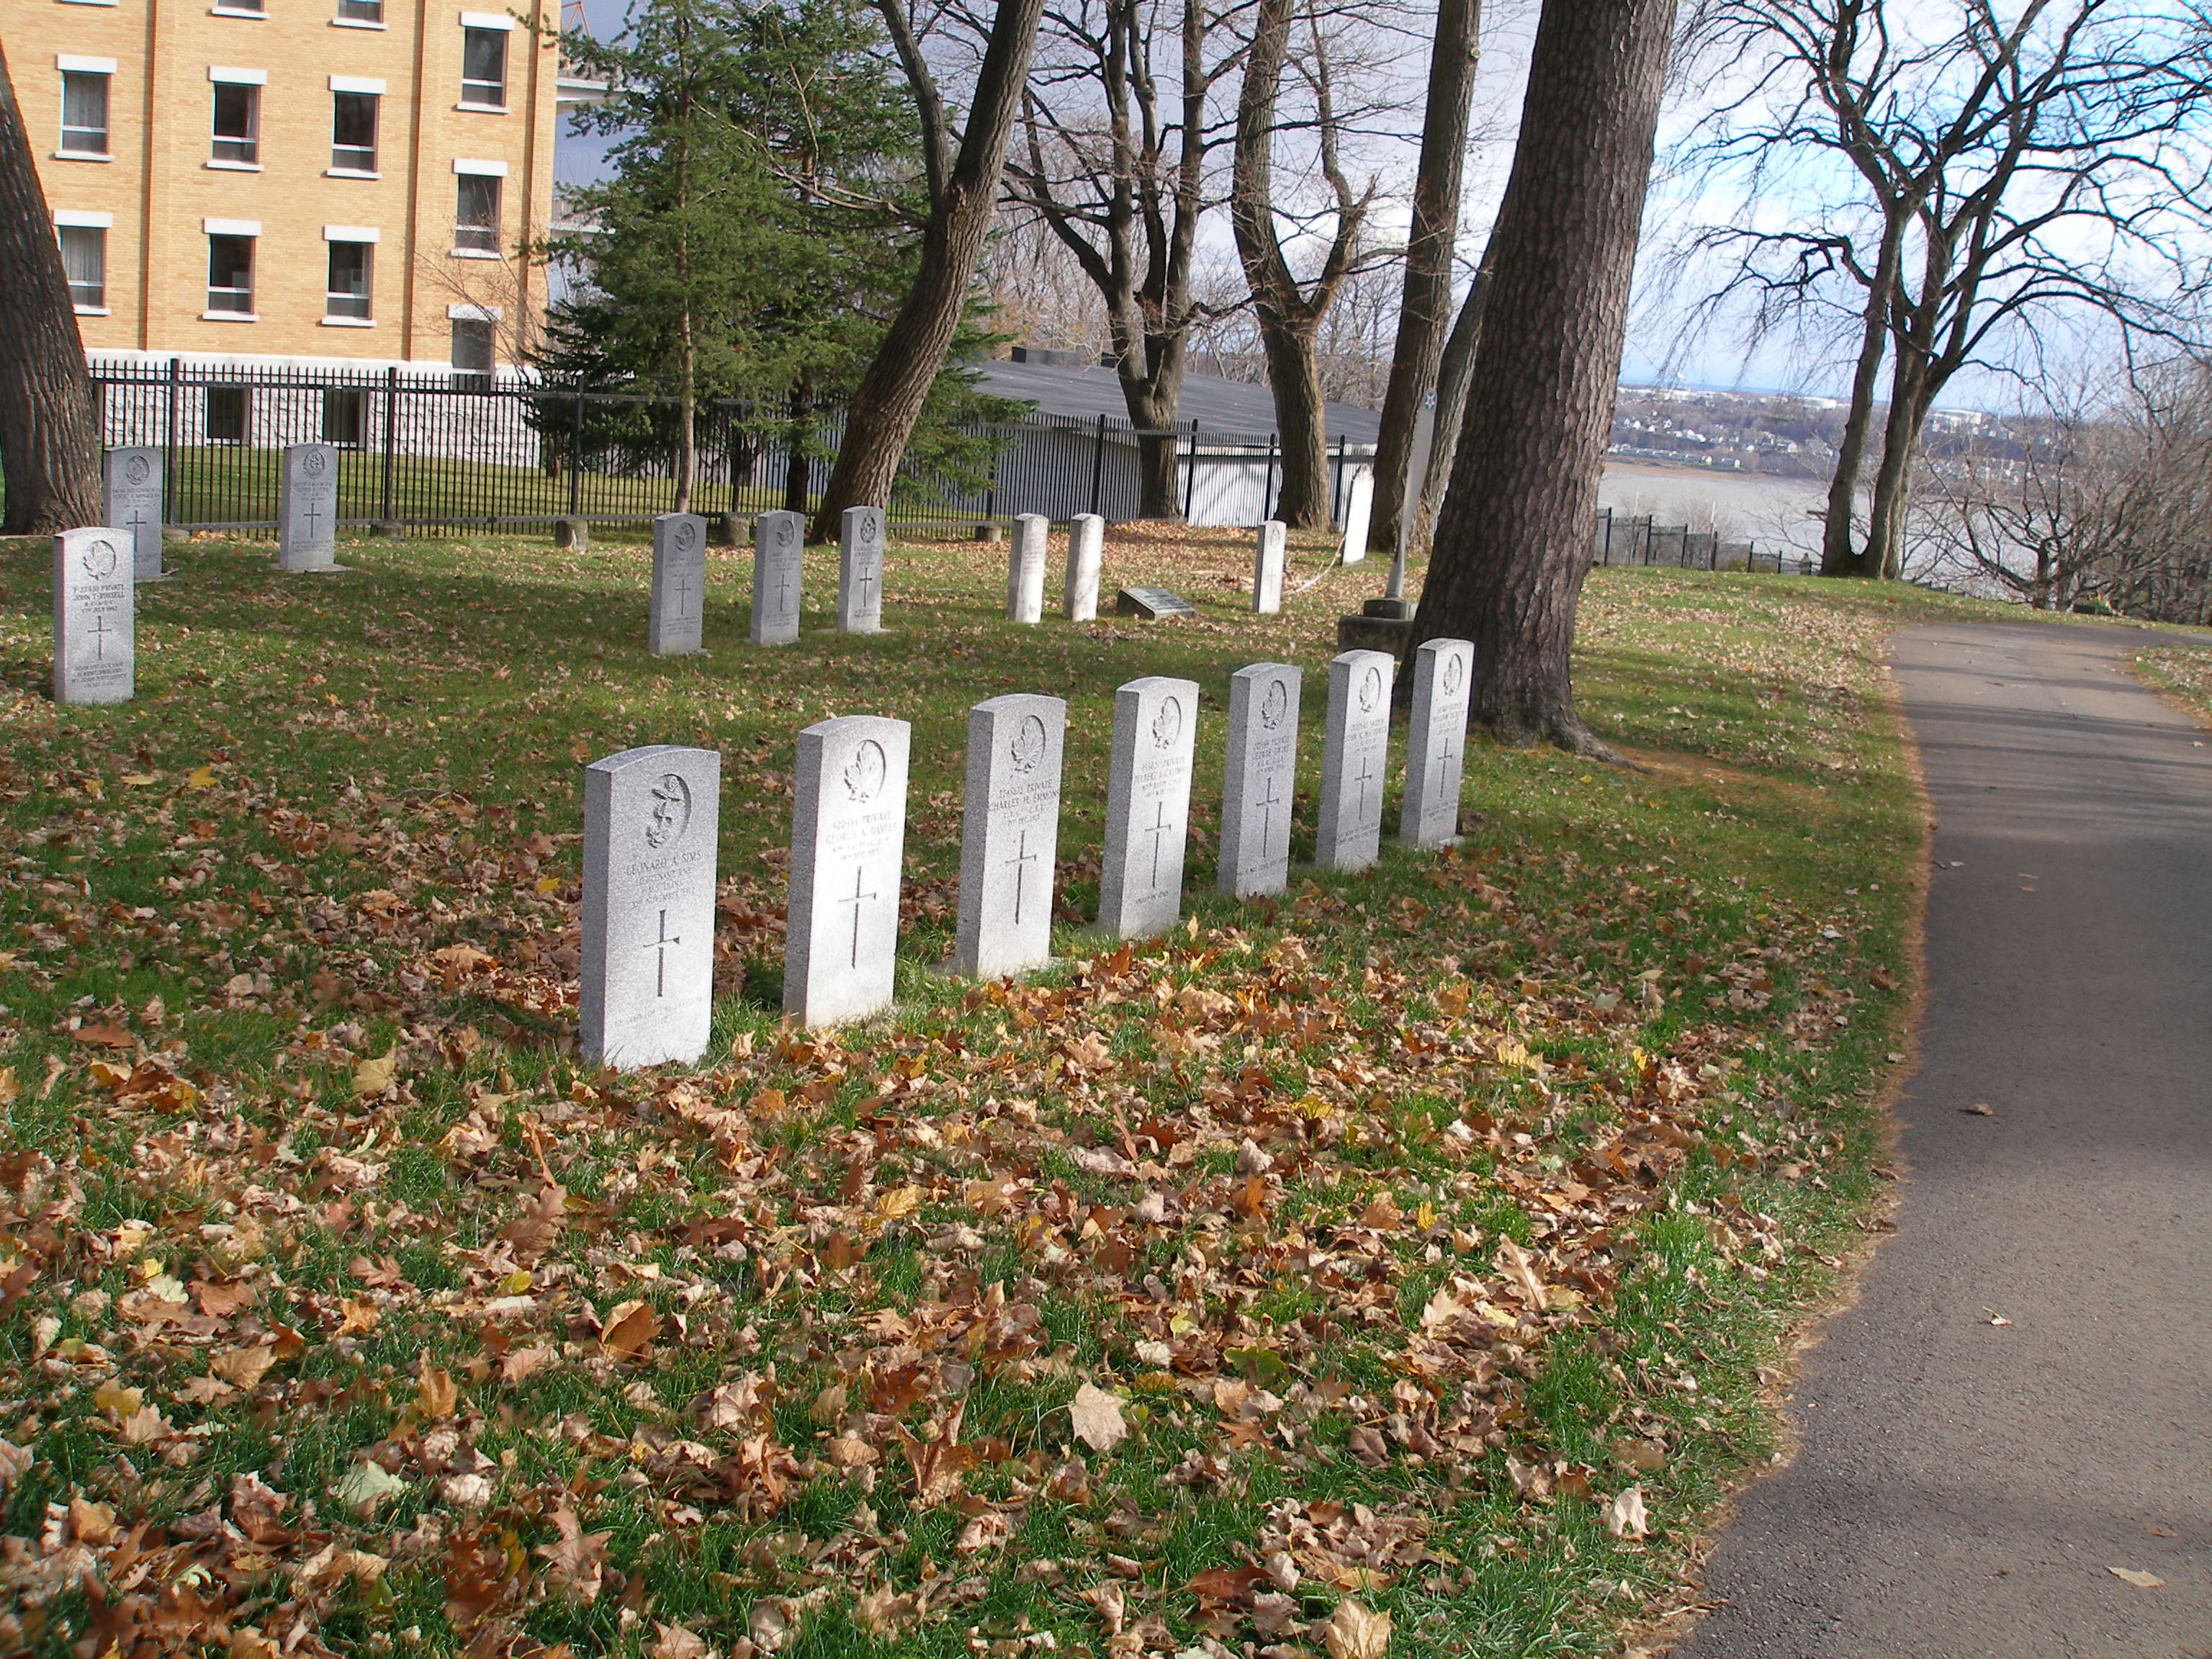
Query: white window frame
{"type": "Point", "coordinates": [244, 230]}
{"type": "Point", "coordinates": [483, 22]}
{"type": "Point", "coordinates": [357, 86]}
{"type": "Point", "coordinates": [220, 75]}
{"type": "Point", "coordinates": [79, 219]}
{"type": "Point", "coordinates": [70, 65]}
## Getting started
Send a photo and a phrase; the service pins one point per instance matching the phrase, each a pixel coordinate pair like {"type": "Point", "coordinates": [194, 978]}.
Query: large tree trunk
{"type": "Point", "coordinates": [1910, 394]}
{"type": "Point", "coordinates": [1425, 304]}
{"type": "Point", "coordinates": [1513, 543]}
{"type": "Point", "coordinates": [884, 411]}
{"type": "Point", "coordinates": [49, 438]}
{"type": "Point", "coordinates": [1839, 555]}
{"type": "Point", "coordinates": [1454, 373]}
{"type": "Point", "coordinates": [1152, 400]}
{"type": "Point", "coordinates": [1301, 425]}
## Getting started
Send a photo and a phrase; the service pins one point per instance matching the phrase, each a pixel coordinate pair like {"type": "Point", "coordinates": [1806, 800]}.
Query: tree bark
{"type": "Point", "coordinates": [1424, 303]}
{"type": "Point", "coordinates": [883, 410]}
{"type": "Point", "coordinates": [1454, 373]}
{"type": "Point", "coordinates": [49, 437]}
{"type": "Point", "coordinates": [1839, 555]}
{"type": "Point", "coordinates": [1513, 541]}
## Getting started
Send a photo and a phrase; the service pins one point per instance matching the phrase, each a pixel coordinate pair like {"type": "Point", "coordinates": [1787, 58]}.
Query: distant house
{"type": "Point", "coordinates": [1085, 458]}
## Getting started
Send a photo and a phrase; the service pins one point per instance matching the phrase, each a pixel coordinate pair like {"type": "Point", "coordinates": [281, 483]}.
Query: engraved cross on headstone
{"type": "Point", "coordinates": [1366, 776]}
{"type": "Point", "coordinates": [1160, 827]}
{"type": "Point", "coordinates": [783, 597]}
{"type": "Point", "coordinates": [865, 579]}
{"type": "Point", "coordinates": [1021, 860]}
{"type": "Point", "coordinates": [858, 899]}
{"type": "Point", "coordinates": [100, 630]}
{"type": "Point", "coordinates": [1268, 804]}
{"type": "Point", "coordinates": [1445, 756]}
{"type": "Point", "coordinates": [683, 595]}
{"type": "Point", "coordinates": [660, 964]}
{"type": "Point", "coordinates": [315, 511]}
{"type": "Point", "coordinates": [135, 522]}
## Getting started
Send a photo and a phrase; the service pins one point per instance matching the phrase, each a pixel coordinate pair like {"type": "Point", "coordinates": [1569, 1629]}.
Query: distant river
{"type": "Point", "coordinates": [1783, 513]}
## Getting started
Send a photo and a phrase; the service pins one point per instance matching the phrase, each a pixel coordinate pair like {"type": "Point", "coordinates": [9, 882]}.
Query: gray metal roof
{"type": "Point", "coordinates": [1086, 392]}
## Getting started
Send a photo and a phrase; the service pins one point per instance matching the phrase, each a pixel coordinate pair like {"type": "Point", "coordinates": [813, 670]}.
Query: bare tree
{"type": "Point", "coordinates": [1512, 543]}
{"type": "Point", "coordinates": [963, 181]}
{"type": "Point", "coordinates": [1425, 305]}
{"type": "Point", "coordinates": [49, 440]}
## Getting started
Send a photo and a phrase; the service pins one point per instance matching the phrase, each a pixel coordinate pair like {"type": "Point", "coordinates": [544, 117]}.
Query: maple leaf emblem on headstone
{"type": "Point", "coordinates": [863, 773]}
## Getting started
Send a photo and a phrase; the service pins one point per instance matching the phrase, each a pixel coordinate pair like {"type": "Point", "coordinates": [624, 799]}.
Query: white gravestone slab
{"type": "Point", "coordinates": [1260, 779]}
{"type": "Point", "coordinates": [779, 550]}
{"type": "Point", "coordinates": [1086, 551]}
{"type": "Point", "coordinates": [1010, 836]}
{"type": "Point", "coordinates": [1147, 805]}
{"type": "Point", "coordinates": [1267, 568]}
{"type": "Point", "coordinates": [95, 657]}
{"type": "Point", "coordinates": [1435, 743]}
{"type": "Point", "coordinates": [307, 508]}
{"type": "Point", "coordinates": [860, 571]}
{"type": "Point", "coordinates": [676, 624]}
{"type": "Point", "coordinates": [847, 836]}
{"type": "Point", "coordinates": [652, 816]}
{"type": "Point", "coordinates": [1355, 757]}
{"type": "Point", "coordinates": [1358, 512]}
{"type": "Point", "coordinates": [1025, 568]}
{"type": "Point", "coordinates": [131, 500]}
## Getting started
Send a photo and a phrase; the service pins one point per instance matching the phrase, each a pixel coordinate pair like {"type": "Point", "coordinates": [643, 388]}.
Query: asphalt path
{"type": "Point", "coordinates": [2021, 1398]}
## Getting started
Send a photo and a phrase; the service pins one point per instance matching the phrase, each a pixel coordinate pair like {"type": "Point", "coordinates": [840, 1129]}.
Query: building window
{"type": "Point", "coordinates": [237, 122]}
{"type": "Point", "coordinates": [348, 293]}
{"type": "Point", "coordinates": [84, 113]}
{"type": "Point", "coordinates": [344, 415]}
{"type": "Point", "coordinates": [471, 352]}
{"type": "Point", "coordinates": [476, 213]}
{"type": "Point", "coordinates": [353, 131]}
{"type": "Point", "coordinates": [84, 259]}
{"type": "Point", "coordinates": [225, 414]}
{"type": "Point", "coordinates": [361, 11]}
{"type": "Point", "coordinates": [230, 274]}
{"type": "Point", "coordinates": [483, 68]}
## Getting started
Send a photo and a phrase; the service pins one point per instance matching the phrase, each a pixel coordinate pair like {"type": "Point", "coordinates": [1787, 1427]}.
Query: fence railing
{"type": "Point", "coordinates": [1636, 539]}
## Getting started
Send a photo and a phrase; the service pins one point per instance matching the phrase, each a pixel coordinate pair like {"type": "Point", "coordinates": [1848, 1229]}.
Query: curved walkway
{"type": "Point", "coordinates": [2021, 1398]}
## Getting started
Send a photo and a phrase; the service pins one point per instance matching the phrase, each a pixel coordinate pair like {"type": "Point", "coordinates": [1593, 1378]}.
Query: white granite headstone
{"type": "Point", "coordinates": [1267, 554]}
{"type": "Point", "coordinates": [131, 500]}
{"type": "Point", "coordinates": [676, 625]}
{"type": "Point", "coordinates": [1010, 834]}
{"type": "Point", "coordinates": [847, 837]}
{"type": "Point", "coordinates": [860, 571]}
{"type": "Point", "coordinates": [95, 656]}
{"type": "Point", "coordinates": [307, 508]}
{"type": "Point", "coordinates": [1025, 568]}
{"type": "Point", "coordinates": [652, 816]}
{"type": "Point", "coordinates": [1259, 779]}
{"type": "Point", "coordinates": [779, 550]}
{"type": "Point", "coordinates": [1086, 551]}
{"type": "Point", "coordinates": [1147, 805]}
{"type": "Point", "coordinates": [1435, 743]}
{"type": "Point", "coordinates": [1355, 757]}
{"type": "Point", "coordinates": [1358, 512]}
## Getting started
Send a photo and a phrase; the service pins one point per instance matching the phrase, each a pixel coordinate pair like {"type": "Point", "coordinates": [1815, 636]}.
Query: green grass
{"type": "Point", "coordinates": [1631, 1026]}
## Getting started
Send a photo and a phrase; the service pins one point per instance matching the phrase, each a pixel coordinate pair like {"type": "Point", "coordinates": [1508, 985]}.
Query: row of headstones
{"type": "Point", "coordinates": [651, 817]}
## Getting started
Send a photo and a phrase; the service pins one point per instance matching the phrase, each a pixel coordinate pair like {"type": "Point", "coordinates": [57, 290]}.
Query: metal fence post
{"type": "Point", "coordinates": [169, 496]}
{"type": "Point", "coordinates": [575, 452]}
{"type": "Point", "coordinates": [1190, 476]}
{"type": "Point", "coordinates": [1336, 485]}
{"type": "Point", "coordinates": [390, 439]}
{"type": "Point", "coordinates": [1098, 464]}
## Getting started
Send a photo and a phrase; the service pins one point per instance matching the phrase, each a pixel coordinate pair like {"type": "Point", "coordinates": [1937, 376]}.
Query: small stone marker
{"type": "Point", "coordinates": [1153, 603]}
{"type": "Point", "coordinates": [847, 837]}
{"type": "Point", "coordinates": [571, 535]}
{"type": "Point", "coordinates": [131, 500]}
{"type": "Point", "coordinates": [1267, 568]}
{"type": "Point", "coordinates": [1260, 779]}
{"type": "Point", "coordinates": [95, 623]}
{"type": "Point", "coordinates": [1025, 568]}
{"type": "Point", "coordinates": [778, 547]}
{"type": "Point", "coordinates": [860, 571]}
{"type": "Point", "coordinates": [676, 627]}
{"type": "Point", "coordinates": [1147, 806]}
{"type": "Point", "coordinates": [1354, 758]}
{"type": "Point", "coordinates": [1435, 743]}
{"type": "Point", "coordinates": [307, 508]}
{"type": "Point", "coordinates": [1010, 836]}
{"type": "Point", "coordinates": [1358, 513]}
{"type": "Point", "coordinates": [1086, 550]}
{"type": "Point", "coordinates": [651, 820]}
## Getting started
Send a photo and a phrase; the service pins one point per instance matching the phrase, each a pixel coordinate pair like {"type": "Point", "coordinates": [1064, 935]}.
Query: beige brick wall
{"type": "Point", "coordinates": [160, 190]}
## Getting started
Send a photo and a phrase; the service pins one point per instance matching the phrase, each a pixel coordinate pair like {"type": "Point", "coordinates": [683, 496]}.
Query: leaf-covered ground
{"type": "Point", "coordinates": [1395, 1268]}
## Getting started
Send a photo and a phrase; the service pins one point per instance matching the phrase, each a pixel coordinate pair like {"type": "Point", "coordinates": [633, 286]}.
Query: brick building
{"type": "Point", "coordinates": [296, 182]}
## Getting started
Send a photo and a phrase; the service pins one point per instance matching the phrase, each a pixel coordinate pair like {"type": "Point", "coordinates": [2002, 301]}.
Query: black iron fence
{"type": "Point", "coordinates": [1636, 539]}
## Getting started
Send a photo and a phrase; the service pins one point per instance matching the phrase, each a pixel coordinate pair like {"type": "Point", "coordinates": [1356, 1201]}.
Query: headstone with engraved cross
{"type": "Point", "coordinates": [1435, 743]}
{"type": "Point", "coordinates": [307, 508]}
{"type": "Point", "coordinates": [1025, 568]}
{"type": "Point", "coordinates": [860, 571]}
{"type": "Point", "coordinates": [1354, 756]}
{"type": "Point", "coordinates": [650, 818]}
{"type": "Point", "coordinates": [131, 500]}
{"type": "Point", "coordinates": [1267, 554]}
{"type": "Point", "coordinates": [1147, 805]}
{"type": "Point", "coordinates": [95, 634]}
{"type": "Point", "coordinates": [1260, 779]}
{"type": "Point", "coordinates": [676, 625]}
{"type": "Point", "coordinates": [1086, 551]}
{"type": "Point", "coordinates": [1010, 836]}
{"type": "Point", "coordinates": [779, 545]}
{"type": "Point", "coordinates": [847, 836]}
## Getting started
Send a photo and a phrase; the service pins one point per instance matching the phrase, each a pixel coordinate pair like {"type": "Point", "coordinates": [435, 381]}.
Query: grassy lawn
{"type": "Point", "coordinates": [1418, 1247]}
